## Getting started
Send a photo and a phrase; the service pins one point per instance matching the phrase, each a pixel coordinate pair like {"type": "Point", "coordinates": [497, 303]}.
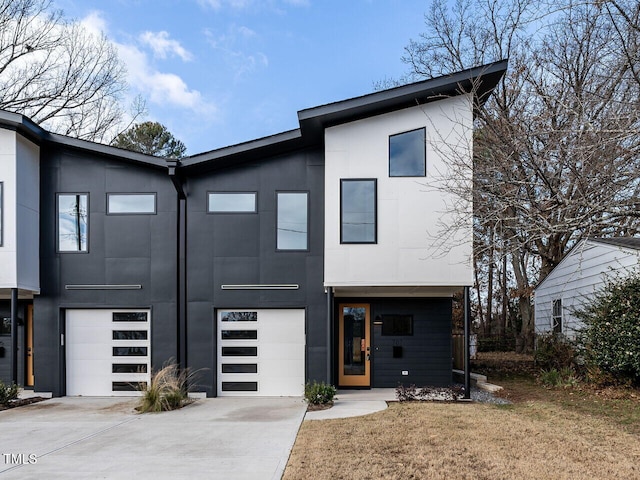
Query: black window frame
{"type": "Point", "coordinates": [294, 192]}
{"type": "Point", "coordinates": [88, 226]}
{"type": "Point", "coordinates": [133, 194]}
{"type": "Point", "coordinates": [424, 153]}
{"type": "Point", "coordinates": [232, 212]}
{"type": "Point", "coordinates": [374, 181]}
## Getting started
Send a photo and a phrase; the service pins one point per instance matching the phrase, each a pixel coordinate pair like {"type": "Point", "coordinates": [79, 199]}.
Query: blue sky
{"type": "Point", "coordinates": [221, 72]}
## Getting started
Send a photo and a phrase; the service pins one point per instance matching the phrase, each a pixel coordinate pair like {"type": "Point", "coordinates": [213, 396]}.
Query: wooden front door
{"type": "Point", "coordinates": [355, 346]}
{"type": "Point", "coordinates": [29, 376]}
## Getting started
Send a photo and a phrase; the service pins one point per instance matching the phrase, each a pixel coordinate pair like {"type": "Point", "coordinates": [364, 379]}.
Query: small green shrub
{"type": "Point", "coordinates": [554, 351]}
{"type": "Point", "coordinates": [319, 393]}
{"type": "Point", "coordinates": [610, 340]}
{"type": "Point", "coordinates": [8, 392]}
{"type": "Point", "coordinates": [565, 377]}
{"type": "Point", "coordinates": [168, 389]}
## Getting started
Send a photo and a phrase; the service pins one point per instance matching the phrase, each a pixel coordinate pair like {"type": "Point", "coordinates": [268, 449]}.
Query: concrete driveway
{"type": "Point", "coordinates": [225, 438]}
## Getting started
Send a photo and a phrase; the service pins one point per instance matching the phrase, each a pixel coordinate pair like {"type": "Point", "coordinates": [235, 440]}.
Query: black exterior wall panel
{"type": "Point", "coordinates": [240, 249]}
{"type": "Point", "coordinates": [123, 249]}
{"type": "Point", "coordinates": [426, 355]}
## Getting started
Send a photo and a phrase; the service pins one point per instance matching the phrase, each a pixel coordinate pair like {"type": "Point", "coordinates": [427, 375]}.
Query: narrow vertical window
{"type": "Point", "coordinates": [358, 211]}
{"type": "Point", "coordinates": [407, 154]}
{"type": "Point", "coordinates": [557, 316]}
{"type": "Point", "coordinates": [292, 221]}
{"type": "Point", "coordinates": [73, 222]}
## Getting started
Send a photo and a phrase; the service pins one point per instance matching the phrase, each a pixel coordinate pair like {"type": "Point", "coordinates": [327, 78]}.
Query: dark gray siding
{"type": "Point", "coordinates": [426, 354]}
{"type": "Point", "coordinates": [123, 249]}
{"type": "Point", "coordinates": [240, 248]}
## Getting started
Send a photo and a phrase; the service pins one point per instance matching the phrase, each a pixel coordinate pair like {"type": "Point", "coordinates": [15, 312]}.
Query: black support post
{"type": "Point", "coordinates": [14, 335]}
{"type": "Point", "coordinates": [329, 334]}
{"type": "Point", "coordinates": [467, 357]}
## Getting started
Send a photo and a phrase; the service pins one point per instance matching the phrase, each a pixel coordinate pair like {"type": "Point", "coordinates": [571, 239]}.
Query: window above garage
{"type": "Point", "coordinates": [131, 203]}
{"type": "Point", "coordinates": [232, 202]}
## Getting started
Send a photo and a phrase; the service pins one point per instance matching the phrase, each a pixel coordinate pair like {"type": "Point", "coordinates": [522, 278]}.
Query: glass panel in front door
{"type": "Point", "coordinates": [354, 340]}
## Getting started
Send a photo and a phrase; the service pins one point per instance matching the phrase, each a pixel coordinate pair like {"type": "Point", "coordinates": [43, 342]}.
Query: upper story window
{"type": "Point", "coordinates": [358, 211]}
{"type": "Point", "coordinates": [73, 222]}
{"type": "Point", "coordinates": [556, 316]}
{"type": "Point", "coordinates": [407, 154]}
{"type": "Point", "coordinates": [292, 221]}
{"type": "Point", "coordinates": [131, 203]}
{"type": "Point", "coordinates": [232, 202]}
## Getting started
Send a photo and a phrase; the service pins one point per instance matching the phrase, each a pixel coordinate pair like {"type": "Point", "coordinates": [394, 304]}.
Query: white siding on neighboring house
{"type": "Point", "coordinates": [577, 278]}
{"type": "Point", "coordinates": [411, 216]}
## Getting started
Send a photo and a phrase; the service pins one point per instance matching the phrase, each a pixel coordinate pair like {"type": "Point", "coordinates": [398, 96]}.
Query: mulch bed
{"type": "Point", "coordinates": [319, 406]}
{"type": "Point", "coordinates": [21, 402]}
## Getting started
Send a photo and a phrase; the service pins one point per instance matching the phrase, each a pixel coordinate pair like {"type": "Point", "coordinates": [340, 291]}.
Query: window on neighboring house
{"type": "Point", "coordinates": [407, 154]}
{"type": "Point", "coordinates": [556, 316]}
{"type": "Point", "coordinates": [73, 222]}
{"type": "Point", "coordinates": [358, 211]}
{"type": "Point", "coordinates": [292, 221]}
{"type": "Point", "coordinates": [232, 202]}
{"type": "Point", "coordinates": [131, 203]}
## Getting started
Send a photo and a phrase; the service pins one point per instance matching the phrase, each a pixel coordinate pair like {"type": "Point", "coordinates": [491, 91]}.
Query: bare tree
{"type": "Point", "coordinates": [556, 147]}
{"type": "Point", "coordinates": [57, 73]}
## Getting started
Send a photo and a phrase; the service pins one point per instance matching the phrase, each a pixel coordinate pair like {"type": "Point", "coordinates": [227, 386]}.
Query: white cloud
{"type": "Point", "coordinates": [228, 43]}
{"type": "Point", "coordinates": [245, 4]}
{"type": "Point", "coordinates": [163, 46]}
{"type": "Point", "coordinates": [144, 78]}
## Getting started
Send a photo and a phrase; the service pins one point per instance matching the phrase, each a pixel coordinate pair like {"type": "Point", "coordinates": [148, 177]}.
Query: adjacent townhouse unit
{"type": "Point", "coordinates": [581, 274]}
{"type": "Point", "coordinates": [307, 255]}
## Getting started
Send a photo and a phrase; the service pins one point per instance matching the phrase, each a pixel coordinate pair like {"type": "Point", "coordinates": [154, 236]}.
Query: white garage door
{"type": "Point", "coordinates": [108, 352]}
{"type": "Point", "coordinates": [261, 352]}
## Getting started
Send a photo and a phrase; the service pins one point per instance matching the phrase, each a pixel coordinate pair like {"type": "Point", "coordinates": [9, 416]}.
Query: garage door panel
{"type": "Point", "coordinates": [278, 353]}
{"type": "Point", "coordinates": [92, 351]}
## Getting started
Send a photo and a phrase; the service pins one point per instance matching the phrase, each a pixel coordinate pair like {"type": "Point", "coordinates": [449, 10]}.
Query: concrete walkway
{"type": "Point", "coordinates": [217, 438]}
{"type": "Point", "coordinates": [353, 403]}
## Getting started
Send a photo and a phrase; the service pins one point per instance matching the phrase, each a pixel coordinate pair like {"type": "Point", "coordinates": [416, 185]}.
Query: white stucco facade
{"type": "Point", "coordinates": [417, 243]}
{"type": "Point", "coordinates": [20, 178]}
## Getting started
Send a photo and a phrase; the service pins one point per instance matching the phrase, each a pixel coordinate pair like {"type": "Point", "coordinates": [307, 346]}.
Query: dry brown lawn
{"type": "Point", "coordinates": [551, 435]}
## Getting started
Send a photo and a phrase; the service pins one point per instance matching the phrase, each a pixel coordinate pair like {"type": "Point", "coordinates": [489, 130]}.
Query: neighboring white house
{"type": "Point", "coordinates": [578, 277]}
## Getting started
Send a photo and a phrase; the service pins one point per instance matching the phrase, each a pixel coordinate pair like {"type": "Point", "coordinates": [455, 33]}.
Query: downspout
{"type": "Point", "coordinates": [466, 349]}
{"type": "Point", "coordinates": [181, 256]}
{"type": "Point", "coordinates": [14, 335]}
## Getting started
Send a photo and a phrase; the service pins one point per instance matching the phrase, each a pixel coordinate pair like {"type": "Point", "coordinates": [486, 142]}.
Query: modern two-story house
{"type": "Point", "coordinates": [307, 255]}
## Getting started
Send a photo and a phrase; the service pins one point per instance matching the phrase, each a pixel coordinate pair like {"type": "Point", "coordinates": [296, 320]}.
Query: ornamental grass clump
{"type": "Point", "coordinates": [610, 339]}
{"type": "Point", "coordinates": [168, 389]}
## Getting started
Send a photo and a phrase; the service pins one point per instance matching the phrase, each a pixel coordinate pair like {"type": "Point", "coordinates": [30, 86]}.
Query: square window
{"type": "Point", "coordinates": [292, 221]}
{"type": "Point", "coordinates": [358, 211]}
{"type": "Point", "coordinates": [232, 202]}
{"type": "Point", "coordinates": [407, 154]}
{"type": "Point", "coordinates": [131, 203]}
{"type": "Point", "coordinates": [73, 222]}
